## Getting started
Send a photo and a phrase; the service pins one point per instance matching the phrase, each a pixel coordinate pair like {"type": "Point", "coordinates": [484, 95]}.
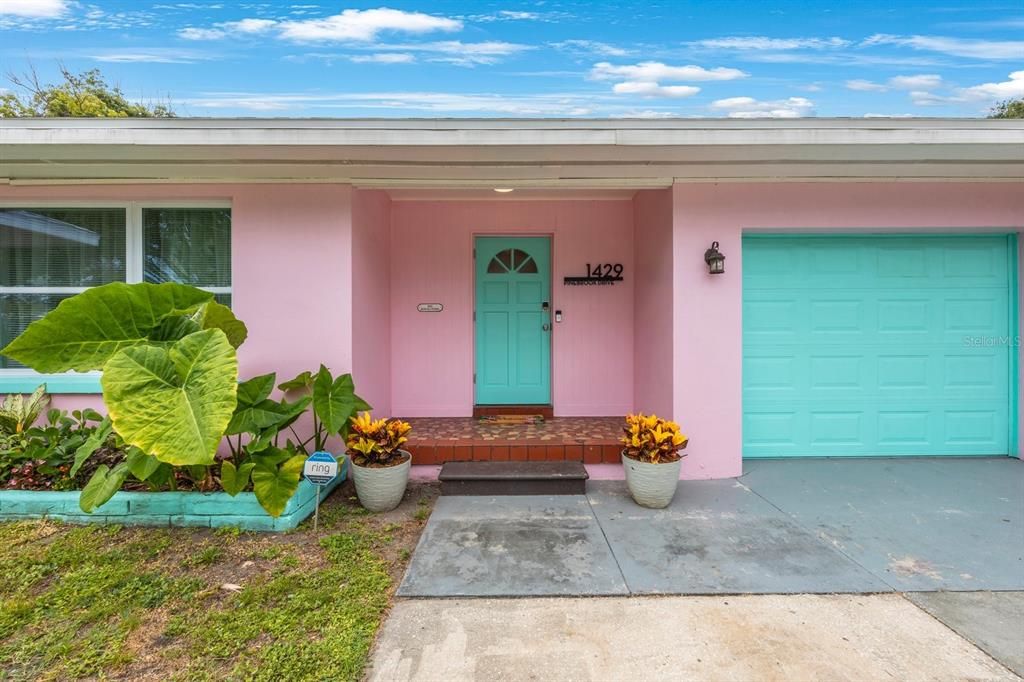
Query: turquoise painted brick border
{"type": "Point", "coordinates": [175, 509]}
{"type": "Point", "coordinates": [71, 382]}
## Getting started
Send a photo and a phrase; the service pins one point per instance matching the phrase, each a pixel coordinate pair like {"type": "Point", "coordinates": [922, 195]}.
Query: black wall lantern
{"type": "Point", "coordinates": [715, 260]}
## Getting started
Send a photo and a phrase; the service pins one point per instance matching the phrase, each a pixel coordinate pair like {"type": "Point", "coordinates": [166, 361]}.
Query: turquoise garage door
{"type": "Point", "coordinates": [877, 345]}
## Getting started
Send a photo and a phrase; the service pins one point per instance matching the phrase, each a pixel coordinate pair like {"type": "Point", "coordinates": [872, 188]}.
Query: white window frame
{"type": "Point", "coordinates": [22, 380]}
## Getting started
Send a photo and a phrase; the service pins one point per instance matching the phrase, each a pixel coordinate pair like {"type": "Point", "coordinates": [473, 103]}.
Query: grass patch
{"type": "Point", "coordinates": [190, 604]}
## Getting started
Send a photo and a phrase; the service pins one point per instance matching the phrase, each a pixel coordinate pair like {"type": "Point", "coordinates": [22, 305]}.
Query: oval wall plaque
{"type": "Point", "coordinates": [430, 307]}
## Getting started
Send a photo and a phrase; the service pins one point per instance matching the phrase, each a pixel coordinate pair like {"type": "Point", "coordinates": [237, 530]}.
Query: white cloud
{"type": "Point", "coordinates": [193, 33]}
{"type": "Point", "coordinates": [776, 44]}
{"type": "Point", "coordinates": [957, 47]}
{"type": "Point", "coordinates": [351, 25]}
{"type": "Point", "coordinates": [919, 82]}
{"type": "Point", "coordinates": [996, 91]}
{"type": "Point", "coordinates": [459, 53]}
{"type": "Point", "coordinates": [434, 102]}
{"type": "Point", "coordinates": [365, 25]}
{"type": "Point", "coordinates": [865, 86]}
{"type": "Point", "coordinates": [592, 47]}
{"type": "Point", "coordinates": [928, 99]}
{"type": "Point", "coordinates": [35, 9]}
{"type": "Point", "coordinates": [652, 89]}
{"type": "Point", "coordinates": [650, 113]}
{"type": "Point", "coordinates": [444, 51]}
{"type": "Point", "coordinates": [251, 26]}
{"type": "Point", "coordinates": [928, 81]}
{"type": "Point", "coordinates": [656, 71]}
{"type": "Point", "coordinates": [515, 15]}
{"type": "Point", "coordinates": [520, 16]}
{"type": "Point", "coordinates": [155, 55]}
{"type": "Point", "coordinates": [384, 58]}
{"type": "Point", "coordinates": [748, 107]}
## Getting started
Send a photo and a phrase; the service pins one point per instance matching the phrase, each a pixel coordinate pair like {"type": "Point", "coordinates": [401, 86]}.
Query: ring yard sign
{"type": "Point", "coordinates": [320, 469]}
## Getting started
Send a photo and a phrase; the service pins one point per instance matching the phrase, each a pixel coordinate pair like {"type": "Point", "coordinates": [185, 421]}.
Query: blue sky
{"type": "Point", "coordinates": [561, 58]}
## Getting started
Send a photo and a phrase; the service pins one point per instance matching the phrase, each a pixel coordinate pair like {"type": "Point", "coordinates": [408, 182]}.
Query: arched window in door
{"type": "Point", "coordinates": [512, 260]}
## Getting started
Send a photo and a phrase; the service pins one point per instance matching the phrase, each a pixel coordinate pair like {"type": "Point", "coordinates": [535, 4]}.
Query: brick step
{"type": "Point", "coordinates": [441, 452]}
{"type": "Point", "coordinates": [545, 411]}
{"type": "Point", "coordinates": [513, 478]}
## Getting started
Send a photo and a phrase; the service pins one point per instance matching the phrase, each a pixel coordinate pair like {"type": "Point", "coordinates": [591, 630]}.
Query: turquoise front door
{"type": "Point", "coordinates": [880, 345]}
{"type": "Point", "coordinates": [513, 322]}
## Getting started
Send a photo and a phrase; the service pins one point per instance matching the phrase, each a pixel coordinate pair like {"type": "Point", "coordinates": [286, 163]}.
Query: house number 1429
{"type": "Point", "coordinates": [604, 271]}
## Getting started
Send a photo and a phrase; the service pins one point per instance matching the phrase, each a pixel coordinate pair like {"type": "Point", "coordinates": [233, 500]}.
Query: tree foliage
{"type": "Point", "coordinates": [1011, 108]}
{"type": "Point", "coordinates": [82, 95]}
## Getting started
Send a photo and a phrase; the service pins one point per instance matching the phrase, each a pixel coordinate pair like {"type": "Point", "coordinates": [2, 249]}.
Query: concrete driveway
{"type": "Point", "coordinates": [810, 569]}
{"type": "Point", "coordinates": [761, 637]}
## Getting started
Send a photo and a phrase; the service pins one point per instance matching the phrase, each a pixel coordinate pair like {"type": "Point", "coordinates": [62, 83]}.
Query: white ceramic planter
{"type": "Point", "coordinates": [651, 485]}
{"type": "Point", "coordinates": [381, 489]}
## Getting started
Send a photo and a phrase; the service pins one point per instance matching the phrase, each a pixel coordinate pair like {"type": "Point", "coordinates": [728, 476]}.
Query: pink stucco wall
{"type": "Point", "coordinates": [306, 300]}
{"type": "Point", "coordinates": [592, 349]}
{"type": "Point", "coordinates": [652, 308]}
{"type": "Point", "coordinates": [371, 298]}
{"type": "Point", "coordinates": [291, 267]}
{"type": "Point", "coordinates": [708, 310]}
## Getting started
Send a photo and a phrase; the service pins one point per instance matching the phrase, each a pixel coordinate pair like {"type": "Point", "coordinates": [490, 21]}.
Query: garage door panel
{"type": "Point", "coordinates": [910, 356]}
{"type": "Point", "coordinates": [977, 428]}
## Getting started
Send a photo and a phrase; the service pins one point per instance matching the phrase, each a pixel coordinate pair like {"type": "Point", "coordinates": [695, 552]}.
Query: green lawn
{"type": "Point", "coordinates": [200, 604]}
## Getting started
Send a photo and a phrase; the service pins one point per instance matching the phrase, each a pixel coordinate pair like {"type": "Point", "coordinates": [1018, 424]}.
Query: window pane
{"type": "Point", "coordinates": [529, 267]}
{"type": "Point", "coordinates": [190, 245]}
{"type": "Point", "coordinates": [17, 311]}
{"type": "Point", "coordinates": [62, 247]}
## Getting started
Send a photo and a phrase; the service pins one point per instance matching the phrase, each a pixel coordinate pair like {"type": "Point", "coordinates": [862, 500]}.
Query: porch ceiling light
{"type": "Point", "coordinates": [715, 260]}
{"type": "Point", "coordinates": [504, 190]}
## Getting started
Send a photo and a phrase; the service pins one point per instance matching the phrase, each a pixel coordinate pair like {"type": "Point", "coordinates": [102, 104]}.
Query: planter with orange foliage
{"type": "Point", "coordinates": [652, 457]}
{"type": "Point", "coordinates": [380, 467]}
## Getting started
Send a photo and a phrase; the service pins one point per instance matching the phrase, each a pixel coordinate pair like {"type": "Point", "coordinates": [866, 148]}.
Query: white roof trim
{"type": "Point", "coordinates": [576, 153]}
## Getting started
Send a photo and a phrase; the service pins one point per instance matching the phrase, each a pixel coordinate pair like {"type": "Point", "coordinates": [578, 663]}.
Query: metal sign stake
{"type": "Point", "coordinates": [316, 510]}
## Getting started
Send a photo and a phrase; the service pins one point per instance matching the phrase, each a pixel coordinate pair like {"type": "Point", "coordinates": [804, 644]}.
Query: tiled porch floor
{"type": "Point", "coordinates": [593, 440]}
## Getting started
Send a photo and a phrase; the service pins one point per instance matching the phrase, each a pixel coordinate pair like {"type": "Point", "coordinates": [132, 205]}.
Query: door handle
{"type": "Point", "coordinates": [546, 327]}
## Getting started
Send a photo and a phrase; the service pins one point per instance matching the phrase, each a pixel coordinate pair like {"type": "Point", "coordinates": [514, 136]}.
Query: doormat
{"type": "Point", "coordinates": [513, 419]}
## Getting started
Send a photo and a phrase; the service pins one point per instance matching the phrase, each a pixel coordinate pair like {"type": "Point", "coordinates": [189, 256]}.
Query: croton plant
{"type": "Point", "coordinates": [376, 441]}
{"type": "Point", "coordinates": [650, 438]}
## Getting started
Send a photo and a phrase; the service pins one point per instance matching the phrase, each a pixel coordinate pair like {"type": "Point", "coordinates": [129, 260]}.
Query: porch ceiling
{"type": "Point", "coordinates": [625, 154]}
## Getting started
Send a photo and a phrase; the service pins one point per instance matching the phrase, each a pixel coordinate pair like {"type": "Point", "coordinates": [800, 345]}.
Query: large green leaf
{"type": "Point", "coordinates": [335, 400]}
{"type": "Point", "coordinates": [235, 480]}
{"type": "Point", "coordinates": [88, 329]}
{"type": "Point", "coordinates": [141, 465]}
{"type": "Point", "coordinates": [303, 381]}
{"type": "Point", "coordinates": [173, 328]}
{"type": "Point", "coordinates": [219, 316]}
{"type": "Point", "coordinates": [91, 444]}
{"type": "Point", "coordinates": [275, 485]}
{"type": "Point", "coordinates": [254, 410]}
{"type": "Point", "coordinates": [256, 390]}
{"type": "Point", "coordinates": [102, 486]}
{"type": "Point", "coordinates": [174, 403]}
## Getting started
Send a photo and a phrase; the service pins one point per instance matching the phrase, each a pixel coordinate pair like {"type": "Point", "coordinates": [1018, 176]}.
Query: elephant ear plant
{"type": "Point", "coordinates": [170, 370]}
{"type": "Point", "coordinates": [256, 430]}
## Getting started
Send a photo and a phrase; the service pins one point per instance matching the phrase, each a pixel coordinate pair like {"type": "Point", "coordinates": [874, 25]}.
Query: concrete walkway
{"type": "Point", "coordinates": [796, 526]}
{"type": "Point", "coordinates": [784, 638]}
